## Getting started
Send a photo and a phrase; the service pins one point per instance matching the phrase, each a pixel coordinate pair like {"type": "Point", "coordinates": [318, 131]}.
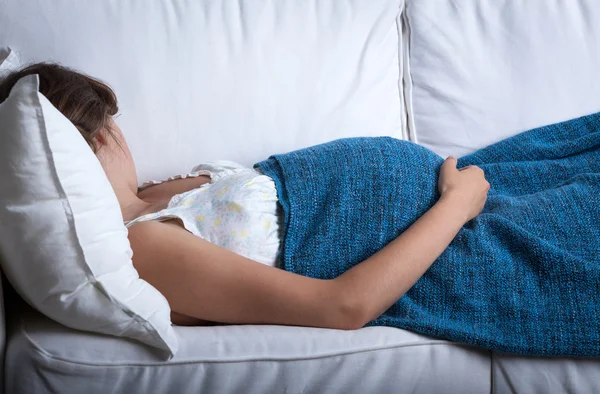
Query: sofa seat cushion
{"type": "Point", "coordinates": [249, 359]}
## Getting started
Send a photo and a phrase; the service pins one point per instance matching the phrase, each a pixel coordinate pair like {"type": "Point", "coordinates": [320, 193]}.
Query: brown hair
{"type": "Point", "coordinates": [87, 102]}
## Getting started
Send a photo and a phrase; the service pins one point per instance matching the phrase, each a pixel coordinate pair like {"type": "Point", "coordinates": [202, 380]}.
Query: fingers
{"type": "Point", "coordinates": [480, 171]}
{"type": "Point", "coordinates": [474, 168]}
{"type": "Point", "coordinates": [450, 162]}
{"type": "Point", "coordinates": [451, 159]}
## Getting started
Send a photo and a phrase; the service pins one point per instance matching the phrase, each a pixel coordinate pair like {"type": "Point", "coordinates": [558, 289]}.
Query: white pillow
{"type": "Point", "coordinates": [8, 60]}
{"type": "Point", "coordinates": [63, 244]}
{"type": "Point", "coordinates": [483, 71]}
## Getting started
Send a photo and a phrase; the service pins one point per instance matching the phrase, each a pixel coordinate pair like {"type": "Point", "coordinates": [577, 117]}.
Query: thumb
{"type": "Point", "coordinates": [449, 164]}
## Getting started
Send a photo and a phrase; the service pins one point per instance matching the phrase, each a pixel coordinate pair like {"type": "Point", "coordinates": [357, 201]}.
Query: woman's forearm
{"type": "Point", "coordinates": [374, 285]}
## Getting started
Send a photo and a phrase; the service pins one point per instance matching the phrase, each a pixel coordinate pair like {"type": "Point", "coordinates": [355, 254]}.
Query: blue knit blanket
{"type": "Point", "coordinates": [522, 277]}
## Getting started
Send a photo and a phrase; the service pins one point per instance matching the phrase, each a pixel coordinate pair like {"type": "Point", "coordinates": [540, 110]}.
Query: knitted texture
{"type": "Point", "coordinates": [522, 277]}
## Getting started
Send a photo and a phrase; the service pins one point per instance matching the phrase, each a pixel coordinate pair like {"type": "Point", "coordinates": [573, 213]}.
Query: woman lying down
{"type": "Point", "coordinates": [498, 249]}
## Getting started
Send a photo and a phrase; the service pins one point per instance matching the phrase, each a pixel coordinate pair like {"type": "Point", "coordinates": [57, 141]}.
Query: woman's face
{"type": "Point", "coordinates": [116, 160]}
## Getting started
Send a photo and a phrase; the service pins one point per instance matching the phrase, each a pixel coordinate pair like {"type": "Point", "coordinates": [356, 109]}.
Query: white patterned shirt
{"type": "Point", "coordinates": [237, 210]}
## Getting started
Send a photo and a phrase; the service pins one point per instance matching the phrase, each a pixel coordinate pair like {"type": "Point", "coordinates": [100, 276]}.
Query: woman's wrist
{"type": "Point", "coordinates": [455, 206]}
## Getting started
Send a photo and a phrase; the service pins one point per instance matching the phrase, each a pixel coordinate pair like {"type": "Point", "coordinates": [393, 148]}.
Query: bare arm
{"type": "Point", "coordinates": [383, 278]}
{"type": "Point", "coordinates": [204, 281]}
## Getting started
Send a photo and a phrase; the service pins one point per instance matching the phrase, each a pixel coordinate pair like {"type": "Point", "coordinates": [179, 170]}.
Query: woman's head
{"type": "Point", "coordinates": [90, 105]}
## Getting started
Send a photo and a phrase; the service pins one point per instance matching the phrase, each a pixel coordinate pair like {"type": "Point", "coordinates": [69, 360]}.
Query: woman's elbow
{"type": "Point", "coordinates": [349, 311]}
{"type": "Point", "coordinates": [351, 318]}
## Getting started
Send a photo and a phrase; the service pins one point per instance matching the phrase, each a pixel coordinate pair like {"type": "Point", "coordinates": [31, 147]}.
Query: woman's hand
{"type": "Point", "coordinates": [467, 187]}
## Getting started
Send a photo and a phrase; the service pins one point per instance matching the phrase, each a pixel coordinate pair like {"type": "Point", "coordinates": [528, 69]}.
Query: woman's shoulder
{"type": "Point", "coordinates": [151, 239]}
{"type": "Point", "coordinates": [146, 230]}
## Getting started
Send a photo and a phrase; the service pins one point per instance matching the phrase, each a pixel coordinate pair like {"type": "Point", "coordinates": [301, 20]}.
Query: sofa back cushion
{"type": "Point", "coordinates": [481, 71]}
{"type": "Point", "coordinates": [238, 80]}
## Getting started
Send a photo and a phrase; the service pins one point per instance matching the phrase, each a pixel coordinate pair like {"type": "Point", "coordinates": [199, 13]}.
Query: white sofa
{"type": "Point", "coordinates": [239, 80]}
